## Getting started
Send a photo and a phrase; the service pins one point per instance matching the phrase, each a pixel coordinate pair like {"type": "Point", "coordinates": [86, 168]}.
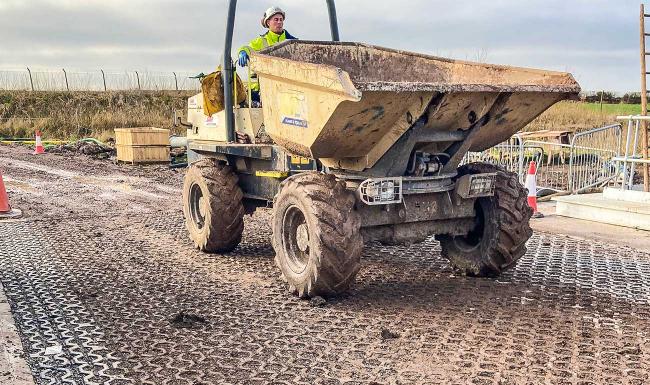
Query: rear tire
{"type": "Point", "coordinates": [212, 205]}
{"type": "Point", "coordinates": [316, 235]}
{"type": "Point", "coordinates": [502, 227]}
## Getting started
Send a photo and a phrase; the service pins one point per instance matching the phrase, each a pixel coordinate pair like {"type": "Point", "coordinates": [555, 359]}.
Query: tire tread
{"type": "Point", "coordinates": [510, 222]}
{"type": "Point", "coordinates": [339, 242]}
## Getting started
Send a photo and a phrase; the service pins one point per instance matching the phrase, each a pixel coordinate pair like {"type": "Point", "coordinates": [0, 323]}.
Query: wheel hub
{"type": "Point", "coordinates": [472, 241]}
{"type": "Point", "coordinates": [302, 237]}
{"type": "Point", "coordinates": [198, 206]}
{"type": "Point", "coordinates": [202, 206]}
{"type": "Point", "coordinates": [295, 239]}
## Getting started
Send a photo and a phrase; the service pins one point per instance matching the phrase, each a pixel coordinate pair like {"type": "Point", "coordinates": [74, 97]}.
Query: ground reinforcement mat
{"type": "Point", "coordinates": [121, 301]}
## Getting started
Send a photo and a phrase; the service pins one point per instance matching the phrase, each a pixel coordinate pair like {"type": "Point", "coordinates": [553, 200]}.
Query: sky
{"type": "Point", "coordinates": [596, 40]}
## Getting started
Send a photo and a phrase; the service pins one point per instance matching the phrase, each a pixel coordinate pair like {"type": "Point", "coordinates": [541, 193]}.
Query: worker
{"type": "Point", "coordinates": [273, 20]}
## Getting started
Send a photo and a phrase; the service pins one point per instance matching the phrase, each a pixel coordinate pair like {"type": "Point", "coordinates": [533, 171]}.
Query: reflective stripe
{"type": "Point", "coordinates": [247, 49]}
{"type": "Point", "coordinates": [264, 42]}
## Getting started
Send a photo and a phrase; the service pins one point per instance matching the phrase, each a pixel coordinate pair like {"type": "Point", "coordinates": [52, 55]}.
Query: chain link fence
{"type": "Point", "coordinates": [98, 80]}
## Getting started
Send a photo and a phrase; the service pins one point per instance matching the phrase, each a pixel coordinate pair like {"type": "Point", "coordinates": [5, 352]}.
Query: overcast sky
{"type": "Point", "coordinates": [596, 40]}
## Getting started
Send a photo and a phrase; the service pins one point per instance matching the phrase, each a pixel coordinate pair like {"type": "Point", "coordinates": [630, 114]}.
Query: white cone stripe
{"type": "Point", "coordinates": [531, 185]}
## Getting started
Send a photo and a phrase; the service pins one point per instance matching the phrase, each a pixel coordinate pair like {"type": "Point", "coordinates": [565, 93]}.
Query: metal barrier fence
{"type": "Point", "coordinates": [552, 164]}
{"type": "Point", "coordinates": [100, 80]}
{"type": "Point", "coordinates": [592, 158]}
{"type": "Point", "coordinates": [511, 154]}
{"type": "Point", "coordinates": [633, 152]}
{"type": "Point", "coordinates": [587, 161]}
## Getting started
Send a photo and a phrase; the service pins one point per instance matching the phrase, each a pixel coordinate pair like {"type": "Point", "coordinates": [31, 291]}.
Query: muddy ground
{"type": "Point", "coordinates": [105, 287]}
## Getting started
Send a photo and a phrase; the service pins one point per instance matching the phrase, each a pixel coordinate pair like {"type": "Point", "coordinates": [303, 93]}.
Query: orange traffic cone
{"type": "Point", "coordinates": [531, 185]}
{"type": "Point", "coordinates": [39, 144]}
{"type": "Point", "coordinates": [6, 212]}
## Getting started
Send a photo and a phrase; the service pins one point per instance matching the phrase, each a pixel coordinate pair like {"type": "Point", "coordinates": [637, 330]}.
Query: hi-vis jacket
{"type": "Point", "coordinates": [264, 41]}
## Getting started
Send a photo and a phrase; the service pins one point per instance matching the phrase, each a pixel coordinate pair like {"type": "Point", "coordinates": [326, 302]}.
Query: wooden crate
{"type": "Point", "coordinates": [143, 154]}
{"type": "Point", "coordinates": [141, 136]}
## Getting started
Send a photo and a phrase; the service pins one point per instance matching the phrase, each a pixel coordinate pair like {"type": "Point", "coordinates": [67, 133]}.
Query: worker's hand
{"type": "Point", "coordinates": [243, 58]}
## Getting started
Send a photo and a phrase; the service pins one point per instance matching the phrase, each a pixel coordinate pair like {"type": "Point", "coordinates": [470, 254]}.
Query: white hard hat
{"type": "Point", "coordinates": [270, 13]}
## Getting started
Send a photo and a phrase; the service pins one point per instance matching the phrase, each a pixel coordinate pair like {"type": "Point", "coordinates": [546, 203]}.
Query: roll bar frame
{"type": "Point", "coordinates": [228, 68]}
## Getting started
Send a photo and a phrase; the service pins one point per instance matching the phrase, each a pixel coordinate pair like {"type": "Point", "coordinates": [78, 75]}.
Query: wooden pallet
{"type": "Point", "coordinates": [142, 145]}
{"type": "Point", "coordinates": [143, 154]}
{"type": "Point", "coordinates": [142, 136]}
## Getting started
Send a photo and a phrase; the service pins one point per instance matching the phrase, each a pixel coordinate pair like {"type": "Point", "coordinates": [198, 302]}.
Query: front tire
{"type": "Point", "coordinates": [502, 227]}
{"type": "Point", "coordinates": [316, 235]}
{"type": "Point", "coordinates": [212, 205]}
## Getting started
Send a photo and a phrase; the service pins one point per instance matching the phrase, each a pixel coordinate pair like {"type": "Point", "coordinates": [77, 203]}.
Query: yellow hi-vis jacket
{"type": "Point", "coordinates": [259, 43]}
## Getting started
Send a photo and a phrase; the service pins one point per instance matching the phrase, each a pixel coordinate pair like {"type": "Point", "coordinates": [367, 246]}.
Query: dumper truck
{"type": "Point", "coordinates": [355, 143]}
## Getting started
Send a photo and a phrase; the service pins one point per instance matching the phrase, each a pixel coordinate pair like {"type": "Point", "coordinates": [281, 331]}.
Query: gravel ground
{"type": "Point", "coordinates": [105, 287]}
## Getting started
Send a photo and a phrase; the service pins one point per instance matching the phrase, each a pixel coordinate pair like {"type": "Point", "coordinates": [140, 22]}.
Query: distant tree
{"type": "Point", "coordinates": [592, 97]}
{"type": "Point", "coordinates": [631, 98]}
{"type": "Point", "coordinates": [607, 97]}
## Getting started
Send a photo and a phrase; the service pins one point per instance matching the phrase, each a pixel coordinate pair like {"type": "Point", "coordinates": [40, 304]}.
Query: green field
{"type": "Point", "coordinates": [574, 115]}
{"type": "Point", "coordinates": [613, 109]}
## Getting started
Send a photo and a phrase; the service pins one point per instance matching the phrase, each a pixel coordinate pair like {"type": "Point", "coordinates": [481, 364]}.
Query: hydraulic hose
{"type": "Point", "coordinates": [93, 140]}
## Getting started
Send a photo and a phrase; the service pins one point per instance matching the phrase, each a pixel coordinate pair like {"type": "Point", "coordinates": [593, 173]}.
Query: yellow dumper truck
{"type": "Point", "coordinates": [355, 143]}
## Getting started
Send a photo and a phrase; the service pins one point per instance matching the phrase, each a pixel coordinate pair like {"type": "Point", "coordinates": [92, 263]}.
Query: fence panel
{"type": "Point", "coordinates": [634, 151]}
{"type": "Point", "coordinates": [48, 81]}
{"type": "Point", "coordinates": [584, 163]}
{"type": "Point", "coordinates": [553, 161]}
{"type": "Point", "coordinates": [592, 157]}
{"type": "Point", "coordinates": [119, 81]}
{"type": "Point", "coordinates": [55, 80]}
{"type": "Point", "coordinates": [513, 155]}
{"type": "Point", "coordinates": [185, 82]}
{"type": "Point", "coordinates": [587, 161]}
{"type": "Point", "coordinates": [14, 80]}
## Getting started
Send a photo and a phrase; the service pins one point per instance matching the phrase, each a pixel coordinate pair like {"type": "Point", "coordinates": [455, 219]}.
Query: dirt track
{"type": "Point", "coordinates": [105, 287]}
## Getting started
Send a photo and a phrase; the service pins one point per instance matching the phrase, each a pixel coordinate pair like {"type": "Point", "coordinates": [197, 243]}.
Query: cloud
{"type": "Point", "coordinates": [12, 4]}
{"type": "Point", "coordinates": [596, 39]}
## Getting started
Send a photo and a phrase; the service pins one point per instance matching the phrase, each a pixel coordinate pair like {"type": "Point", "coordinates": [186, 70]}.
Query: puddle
{"type": "Point", "coordinates": [37, 167]}
{"type": "Point", "coordinates": [112, 184]}
{"type": "Point", "coordinates": [9, 183]}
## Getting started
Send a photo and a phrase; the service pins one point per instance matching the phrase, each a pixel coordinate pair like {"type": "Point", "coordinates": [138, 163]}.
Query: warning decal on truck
{"type": "Point", "coordinates": [293, 108]}
{"type": "Point", "coordinates": [212, 121]}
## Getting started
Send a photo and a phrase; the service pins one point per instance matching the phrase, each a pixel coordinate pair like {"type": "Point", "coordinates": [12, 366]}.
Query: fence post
{"type": "Point", "coordinates": [572, 155]}
{"type": "Point", "coordinates": [138, 77]}
{"type": "Point", "coordinates": [67, 86]}
{"type": "Point", "coordinates": [601, 100]}
{"type": "Point", "coordinates": [627, 152]}
{"type": "Point", "coordinates": [175, 80]}
{"type": "Point", "coordinates": [637, 126]}
{"type": "Point", "coordinates": [31, 80]}
{"type": "Point", "coordinates": [104, 79]}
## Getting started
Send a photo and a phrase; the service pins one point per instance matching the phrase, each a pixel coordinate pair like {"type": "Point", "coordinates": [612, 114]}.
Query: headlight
{"type": "Point", "coordinates": [476, 186]}
{"type": "Point", "coordinates": [381, 191]}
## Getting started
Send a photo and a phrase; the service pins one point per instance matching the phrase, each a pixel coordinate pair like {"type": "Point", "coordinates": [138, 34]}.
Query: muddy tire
{"type": "Point", "coordinates": [502, 227]}
{"type": "Point", "coordinates": [316, 235]}
{"type": "Point", "coordinates": [212, 205]}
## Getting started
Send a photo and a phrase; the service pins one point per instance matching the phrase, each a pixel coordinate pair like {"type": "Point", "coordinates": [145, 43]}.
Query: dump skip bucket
{"type": "Point", "coordinates": [348, 103]}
